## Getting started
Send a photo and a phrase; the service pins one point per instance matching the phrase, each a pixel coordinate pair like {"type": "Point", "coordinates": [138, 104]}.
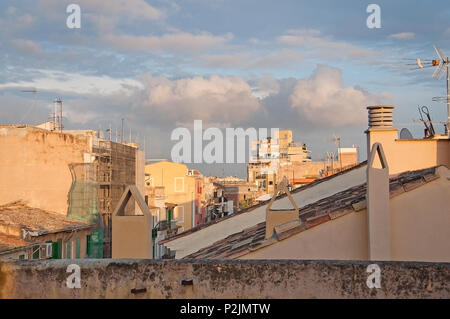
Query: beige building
{"type": "Point", "coordinates": [332, 211]}
{"type": "Point", "coordinates": [280, 157]}
{"type": "Point", "coordinates": [73, 173]}
{"type": "Point", "coordinates": [179, 189]}
{"type": "Point", "coordinates": [337, 227]}
{"type": "Point", "coordinates": [33, 233]}
{"type": "Point", "coordinates": [132, 229]}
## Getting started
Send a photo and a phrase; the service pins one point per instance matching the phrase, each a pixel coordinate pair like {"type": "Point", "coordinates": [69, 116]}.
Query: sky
{"type": "Point", "coordinates": [309, 66]}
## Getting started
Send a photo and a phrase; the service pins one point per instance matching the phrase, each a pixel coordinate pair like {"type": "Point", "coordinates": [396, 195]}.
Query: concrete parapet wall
{"type": "Point", "coordinates": [107, 278]}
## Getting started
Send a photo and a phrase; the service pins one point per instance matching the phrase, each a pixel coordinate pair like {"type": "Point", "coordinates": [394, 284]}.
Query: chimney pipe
{"type": "Point", "coordinates": [380, 116]}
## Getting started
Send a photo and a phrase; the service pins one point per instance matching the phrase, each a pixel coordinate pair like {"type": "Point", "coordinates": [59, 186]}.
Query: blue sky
{"type": "Point", "coordinates": [309, 66]}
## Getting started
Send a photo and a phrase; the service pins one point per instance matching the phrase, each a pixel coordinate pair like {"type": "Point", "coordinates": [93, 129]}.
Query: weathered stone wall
{"type": "Point", "coordinates": [222, 279]}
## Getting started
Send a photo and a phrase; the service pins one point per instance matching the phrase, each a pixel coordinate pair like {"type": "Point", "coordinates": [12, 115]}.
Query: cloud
{"type": "Point", "coordinates": [27, 47]}
{"type": "Point", "coordinates": [213, 99]}
{"type": "Point", "coordinates": [251, 59]}
{"type": "Point", "coordinates": [403, 36]}
{"type": "Point", "coordinates": [75, 83]}
{"type": "Point", "coordinates": [322, 99]}
{"type": "Point", "coordinates": [132, 9]}
{"type": "Point", "coordinates": [326, 47]}
{"type": "Point", "coordinates": [265, 86]}
{"type": "Point", "coordinates": [179, 42]}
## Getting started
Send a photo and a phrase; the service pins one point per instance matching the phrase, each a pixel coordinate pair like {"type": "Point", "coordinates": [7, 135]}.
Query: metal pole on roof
{"type": "Point", "coordinates": [121, 136]}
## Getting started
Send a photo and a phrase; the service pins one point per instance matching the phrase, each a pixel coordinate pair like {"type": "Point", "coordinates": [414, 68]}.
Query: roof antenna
{"type": "Point", "coordinates": [441, 67]}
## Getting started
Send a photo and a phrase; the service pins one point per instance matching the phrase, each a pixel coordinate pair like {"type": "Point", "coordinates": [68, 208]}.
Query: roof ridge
{"type": "Point", "coordinates": [262, 203]}
{"type": "Point", "coordinates": [310, 215]}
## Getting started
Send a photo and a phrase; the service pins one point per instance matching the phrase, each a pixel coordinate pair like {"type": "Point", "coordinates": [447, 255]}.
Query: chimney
{"type": "Point", "coordinates": [381, 129]}
{"type": "Point", "coordinates": [380, 117]}
{"type": "Point", "coordinates": [377, 196]}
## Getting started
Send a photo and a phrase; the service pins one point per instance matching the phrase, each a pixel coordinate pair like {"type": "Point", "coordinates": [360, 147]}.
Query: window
{"type": "Point", "coordinates": [88, 245]}
{"type": "Point", "coordinates": [36, 252]}
{"type": "Point", "coordinates": [21, 256]}
{"type": "Point", "coordinates": [179, 213]}
{"type": "Point", "coordinates": [77, 247]}
{"type": "Point", "coordinates": [179, 184]}
{"type": "Point", "coordinates": [57, 249]}
{"type": "Point", "coordinates": [69, 249]}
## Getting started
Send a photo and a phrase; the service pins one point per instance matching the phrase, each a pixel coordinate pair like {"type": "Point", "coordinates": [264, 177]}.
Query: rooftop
{"type": "Point", "coordinates": [36, 220]}
{"type": "Point", "coordinates": [11, 242]}
{"type": "Point", "coordinates": [329, 208]}
{"type": "Point", "coordinates": [261, 203]}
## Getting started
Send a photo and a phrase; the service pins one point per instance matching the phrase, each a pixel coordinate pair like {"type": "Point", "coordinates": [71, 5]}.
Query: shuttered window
{"type": "Point", "coordinates": [77, 247]}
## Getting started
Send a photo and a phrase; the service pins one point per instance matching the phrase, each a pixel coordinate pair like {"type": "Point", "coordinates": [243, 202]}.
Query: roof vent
{"type": "Point", "coordinates": [380, 116]}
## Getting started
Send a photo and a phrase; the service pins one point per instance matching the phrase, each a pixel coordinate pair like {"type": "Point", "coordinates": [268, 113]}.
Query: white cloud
{"type": "Point", "coordinates": [250, 59]}
{"type": "Point", "coordinates": [132, 9]}
{"type": "Point", "coordinates": [75, 83]}
{"type": "Point", "coordinates": [27, 47]}
{"type": "Point", "coordinates": [323, 99]}
{"type": "Point", "coordinates": [210, 99]}
{"type": "Point", "coordinates": [179, 42]}
{"type": "Point", "coordinates": [326, 47]}
{"type": "Point", "coordinates": [265, 86]}
{"type": "Point", "coordinates": [403, 36]}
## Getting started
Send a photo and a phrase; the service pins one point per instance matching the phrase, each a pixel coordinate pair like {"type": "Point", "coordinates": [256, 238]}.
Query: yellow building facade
{"type": "Point", "coordinates": [179, 189]}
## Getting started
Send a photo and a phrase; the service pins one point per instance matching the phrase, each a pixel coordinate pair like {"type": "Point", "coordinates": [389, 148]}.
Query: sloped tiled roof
{"type": "Point", "coordinates": [326, 209]}
{"type": "Point", "coordinates": [37, 220]}
{"type": "Point", "coordinates": [262, 203]}
{"type": "Point", "coordinates": [11, 242]}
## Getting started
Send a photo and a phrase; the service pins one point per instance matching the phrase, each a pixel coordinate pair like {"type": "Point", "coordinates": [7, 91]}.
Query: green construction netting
{"type": "Point", "coordinates": [83, 202]}
{"type": "Point", "coordinates": [83, 206]}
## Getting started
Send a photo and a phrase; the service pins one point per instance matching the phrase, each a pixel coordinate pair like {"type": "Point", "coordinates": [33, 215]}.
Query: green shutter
{"type": "Point", "coordinates": [77, 247]}
{"type": "Point", "coordinates": [56, 249]}
{"type": "Point", "coordinates": [169, 218]}
{"type": "Point", "coordinates": [36, 252]}
{"type": "Point", "coordinates": [88, 245]}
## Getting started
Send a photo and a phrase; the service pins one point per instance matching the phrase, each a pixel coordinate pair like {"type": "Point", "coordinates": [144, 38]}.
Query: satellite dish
{"type": "Point", "coordinates": [405, 134]}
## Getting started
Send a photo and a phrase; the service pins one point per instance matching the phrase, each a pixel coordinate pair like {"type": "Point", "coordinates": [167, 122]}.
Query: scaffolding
{"type": "Point", "coordinates": [83, 204]}
{"type": "Point", "coordinates": [115, 165]}
{"type": "Point", "coordinates": [97, 187]}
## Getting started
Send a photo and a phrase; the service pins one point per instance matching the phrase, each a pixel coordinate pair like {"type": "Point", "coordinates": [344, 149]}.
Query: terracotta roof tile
{"type": "Point", "coordinates": [11, 242]}
{"type": "Point", "coordinates": [37, 220]}
{"type": "Point", "coordinates": [262, 203]}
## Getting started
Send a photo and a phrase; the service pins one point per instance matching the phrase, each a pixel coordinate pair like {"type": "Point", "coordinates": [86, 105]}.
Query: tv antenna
{"type": "Point", "coordinates": [441, 67]}
{"type": "Point", "coordinates": [34, 91]}
{"type": "Point", "coordinates": [337, 141]}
